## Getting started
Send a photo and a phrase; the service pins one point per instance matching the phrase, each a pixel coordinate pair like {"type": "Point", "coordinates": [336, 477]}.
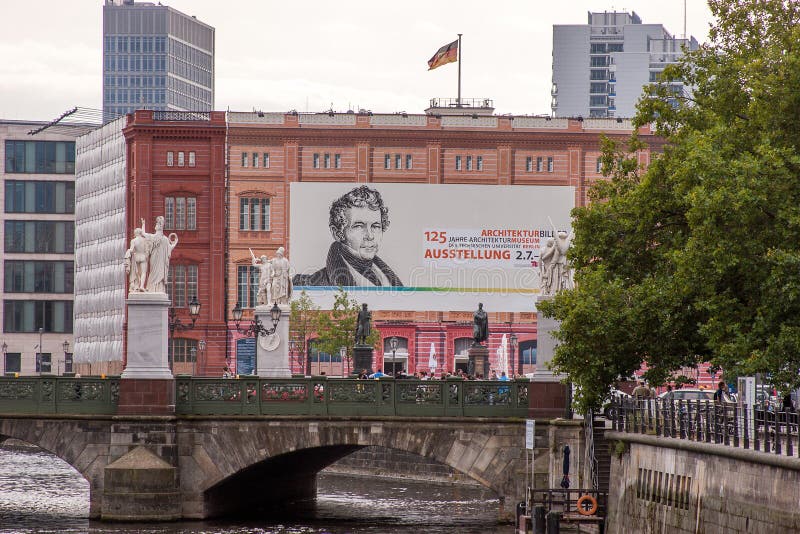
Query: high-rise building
{"type": "Point", "coordinates": [38, 199]}
{"type": "Point", "coordinates": [600, 68]}
{"type": "Point", "coordinates": [155, 57]}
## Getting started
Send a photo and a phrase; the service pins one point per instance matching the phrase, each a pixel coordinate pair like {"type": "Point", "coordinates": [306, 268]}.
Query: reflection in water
{"type": "Point", "coordinates": [41, 494]}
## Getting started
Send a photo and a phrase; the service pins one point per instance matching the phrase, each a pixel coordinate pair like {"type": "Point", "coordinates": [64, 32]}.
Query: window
{"type": "Point", "coordinates": [598, 100]}
{"type": "Point", "coordinates": [40, 236]}
{"type": "Point", "coordinates": [598, 87]}
{"type": "Point", "coordinates": [597, 48]}
{"type": "Point", "coordinates": [458, 163]}
{"type": "Point", "coordinates": [170, 159]}
{"type": "Point", "coordinates": [29, 315]}
{"type": "Point", "coordinates": [387, 161]}
{"type": "Point", "coordinates": [539, 166]}
{"type": "Point", "coordinates": [181, 161]}
{"type": "Point", "coordinates": [44, 362]}
{"type": "Point", "coordinates": [180, 350]}
{"type": "Point", "coordinates": [316, 161]}
{"type": "Point", "coordinates": [598, 74]}
{"type": "Point", "coordinates": [255, 160]}
{"type": "Point", "coordinates": [192, 159]}
{"type": "Point", "coordinates": [469, 163]}
{"type": "Point", "coordinates": [327, 161]}
{"type": "Point", "coordinates": [319, 356]}
{"type": "Point", "coordinates": [398, 161]}
{"type": "Point", "coordinates": [245, 159]}
{"type": "Point", "coordinates": [182, 284]}
{"type": "Point", "coordinates": [39, 276]}
{"type": "Point", "coordinates": [39, 197]}
{"type": "Point", "coordinates": [247, 285]}
{"type": "Point", "coordinates": [480, 163]}
{"type": "Point", "coordinates": [13, 362]}
{"type": "Point", "coordinates": [266, 160]}
{"type": "Point", "coordinates": [529, 164]}
{"type": "Point", "coordinates": [180, 213]}
{"type": "Point", "coordinates": [408, 161]}
{"type": "Point", "coordinates": [599, 166]}
{"type": "Point", "coordinates": [527, 352]}
{"type": "Point", "coordinates": [68, 362]}
{"type": "Point", "coordinates": [598, 61]}
{"type": "Point", "coordinates": [615, 47]}
{"type": "Point", "coordinates": [337, 161]}
{"type": "Point", "coordinates": [549, 164]}
{"type": "Point", "coordinates": [254, 214]}
{"type": "Point", "coordinates": [42, 157]}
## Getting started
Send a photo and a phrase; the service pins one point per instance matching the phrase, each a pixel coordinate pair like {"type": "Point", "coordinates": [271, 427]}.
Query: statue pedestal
{"type": "Point", "coordinates": [148, 332]}
{"type": "Point", "coordinates": [545, 347]}
{"type": "Point", "coordinates": [478, 360]}
{"type": "Point", "coordinates": [362, 359]}
{"type": "Point", "coordinates": [147, 386]}
{"type": "Point", "coordinates": [272, 352]}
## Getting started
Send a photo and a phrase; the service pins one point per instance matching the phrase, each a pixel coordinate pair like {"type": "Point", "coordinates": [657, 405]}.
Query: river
{"type": "Point", "coordinates": [39, 493]}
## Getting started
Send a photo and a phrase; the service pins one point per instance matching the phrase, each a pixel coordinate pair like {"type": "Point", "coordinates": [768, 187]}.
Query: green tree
{"type": "Point", "coordinates": [302, 323]}
{"type": "Point", "coordinates": [337, 328]}
{"type": "Point", "coordinates": [698, 258]}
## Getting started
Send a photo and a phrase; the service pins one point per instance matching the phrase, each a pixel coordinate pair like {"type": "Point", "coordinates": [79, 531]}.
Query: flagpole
{"type": "Point", "coordinates": [458, 101]}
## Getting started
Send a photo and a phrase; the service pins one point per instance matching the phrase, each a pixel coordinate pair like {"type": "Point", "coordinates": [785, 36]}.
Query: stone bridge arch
{"type": "Point", "coordinates": [82, 444]}
{"type": "Point", "coordinates": [277, 461]}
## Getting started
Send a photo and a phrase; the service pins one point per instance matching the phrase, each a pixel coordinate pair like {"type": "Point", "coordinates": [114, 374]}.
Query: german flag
{"type": "Point", "coordinates": [446, 54]}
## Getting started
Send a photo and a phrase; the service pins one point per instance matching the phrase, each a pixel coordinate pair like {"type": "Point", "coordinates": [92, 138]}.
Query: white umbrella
{"type": "Point", "coordinates": [432, 359]}
{"type": "Point", "coordinates": [503, 363]}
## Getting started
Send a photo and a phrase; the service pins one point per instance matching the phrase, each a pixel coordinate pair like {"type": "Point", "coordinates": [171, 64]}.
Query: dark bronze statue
{"type": "Point", "coordinates": [363, 325]}
{"type": "Point", "coordinates": [480, 326]}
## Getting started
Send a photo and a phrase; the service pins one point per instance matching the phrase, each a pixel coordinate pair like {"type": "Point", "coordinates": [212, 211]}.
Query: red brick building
{"type": "Point", "coordinates": [176, 168]}
{"type": "Point", "coordinates": [269, 151]}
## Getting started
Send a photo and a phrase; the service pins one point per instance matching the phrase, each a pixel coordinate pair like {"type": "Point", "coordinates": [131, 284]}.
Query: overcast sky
{"type": "Point", "coordinates": [314, 55]}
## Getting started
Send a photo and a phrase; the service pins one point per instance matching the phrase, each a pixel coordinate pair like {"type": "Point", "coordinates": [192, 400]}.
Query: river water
{"type": "Point", "coordinates": [39, 493]}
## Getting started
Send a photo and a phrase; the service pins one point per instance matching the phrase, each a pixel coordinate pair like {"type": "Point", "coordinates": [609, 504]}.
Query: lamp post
{"type": "Point", "coordinates": [5, 350]}
{"type": "Point", "coordinates": [65, 346]}
{"type": "Point", "coordinates": [514, 344]}
{"type": "Point", "coordinates": [256, 328]}
{"type": "Point", "coordinates": [343, 356]}
{"type": "Point", "coordinates": [201, 345]}
{"type": "Point", "coordinates": [176, 324]}
{"type": "Point", "coordinates": [393, 345]}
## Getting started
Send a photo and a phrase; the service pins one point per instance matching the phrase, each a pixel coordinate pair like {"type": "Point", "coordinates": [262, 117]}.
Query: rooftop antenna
{"type": "Point", "coordinates": [684, 19]}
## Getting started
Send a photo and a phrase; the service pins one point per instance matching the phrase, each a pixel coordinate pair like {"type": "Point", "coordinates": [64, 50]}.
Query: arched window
{"type": "Point", "coordinates": [397, 360]}
{"type": "Point", "coordinates": [527, 356]}
{"type": "Point", "coordinates": [461, 347]}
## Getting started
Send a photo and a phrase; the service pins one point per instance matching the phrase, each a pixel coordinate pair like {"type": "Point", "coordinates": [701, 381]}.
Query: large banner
{"type": "Point", "coordinates": [424, 246]}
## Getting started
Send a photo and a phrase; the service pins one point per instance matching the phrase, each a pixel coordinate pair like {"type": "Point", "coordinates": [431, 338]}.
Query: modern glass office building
{"type": "Point", "coordinates": [600, 68]}
{"type": "Point", "coordinates": [155, 57]}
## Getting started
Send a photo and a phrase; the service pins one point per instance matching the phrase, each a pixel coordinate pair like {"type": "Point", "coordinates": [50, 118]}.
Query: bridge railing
{"type": "Point", "coordinates": [332, 396]}
{"type": "Point", "coordinates": [762, 428]}
{"type": "Point", "coordinates": [59, 395]}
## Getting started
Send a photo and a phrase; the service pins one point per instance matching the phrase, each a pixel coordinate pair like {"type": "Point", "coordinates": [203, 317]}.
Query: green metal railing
{"type": "Point", "coordinates": [59, 395]}
{"type": "Point", "coordinates": [332, 396]}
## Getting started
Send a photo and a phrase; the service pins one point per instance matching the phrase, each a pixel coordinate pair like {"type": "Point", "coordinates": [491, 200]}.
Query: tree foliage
{"type": "Point", "coordinates": [337, 328]}
{"type": "Point", "coordinates": [302, 323]}
{"type": "Point", "coordinates": [698, 258]}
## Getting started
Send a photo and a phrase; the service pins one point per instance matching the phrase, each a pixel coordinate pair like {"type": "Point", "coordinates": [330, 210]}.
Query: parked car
{"type": "Point", "coordinates": [693, 394]}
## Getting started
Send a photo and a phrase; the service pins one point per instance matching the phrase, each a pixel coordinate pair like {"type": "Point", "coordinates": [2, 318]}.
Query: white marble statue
{"type": "Point", "coordinates": [160, 250]}
{"type": "Point", "coordinates": [281, 281]}
{"type": "Point", "coordinates": [264, 278]}
{"type": "Point", "coordinates": [555, 273]}
{"type": "Point", "coordinates": [136, 261]}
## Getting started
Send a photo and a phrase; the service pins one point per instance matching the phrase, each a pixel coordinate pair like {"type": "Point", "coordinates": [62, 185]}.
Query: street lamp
{"type": "Point", "coordinates": [65, 346]}
{"type": "Point", "coordinates": [256, 328]}
{"type": "Point", "coordinates": [343, 356]}
{"type": "Point", "coordinates": [201, 346]}
{"type": "Point", "coordinates": [176, 324]}
{"type": "Point", "coordinates": [5, 350]}
{"type": "Point", "coordinates": [514, 344]}
{"type": "Point", "coordinates": [393, 345]}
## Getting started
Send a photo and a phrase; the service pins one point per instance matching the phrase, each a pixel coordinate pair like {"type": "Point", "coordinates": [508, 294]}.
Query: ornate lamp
{"type": "Point", "coordinates": [256, 328]}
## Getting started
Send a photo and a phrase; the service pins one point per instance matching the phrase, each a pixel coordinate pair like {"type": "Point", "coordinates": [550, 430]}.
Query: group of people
{"type": "Point", "coordinates": [430, 375]}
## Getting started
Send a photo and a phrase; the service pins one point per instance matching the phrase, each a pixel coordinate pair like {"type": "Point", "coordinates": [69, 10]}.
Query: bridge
{"type": "Point", "coordinates": [234, 445]}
